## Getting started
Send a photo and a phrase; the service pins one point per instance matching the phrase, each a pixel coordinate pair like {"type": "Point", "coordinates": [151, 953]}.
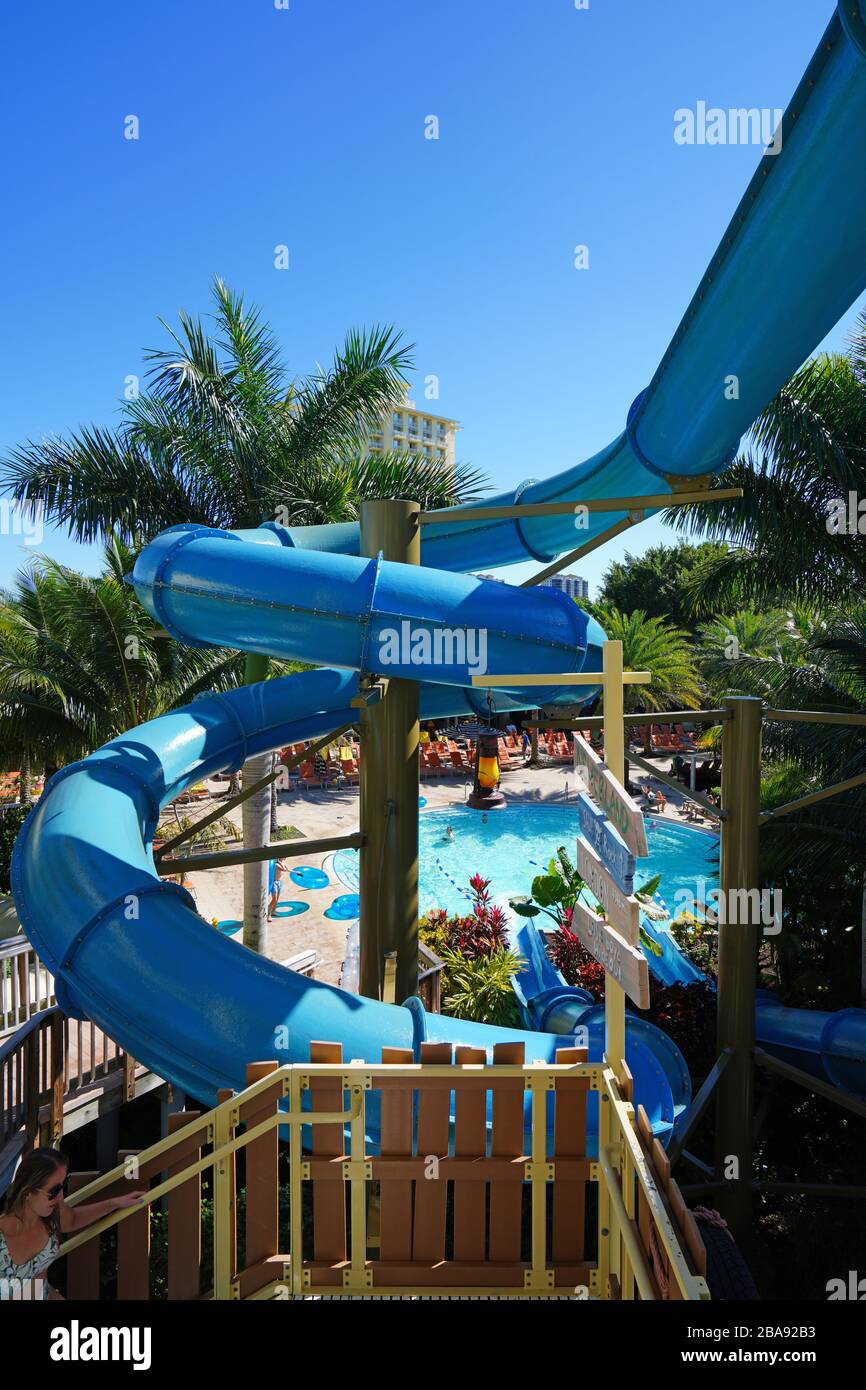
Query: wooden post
{"type": "Point", "coordinates": [82, 1266]}
{"type": "Point", "coordinates": [389, 788]}
{"type": "Point", "coordinates": [262, 1171]}
{"type": "Point", "coordinates": [614, 757]}
{"type": "Point", "coordinates": [224, 1202]}
{"type": "Point", "coordinates": [184, 1220]}
{"type": "Point", "coordinates": [738, 955]}
{"type": "Point", "coordinates": [57, 1079]}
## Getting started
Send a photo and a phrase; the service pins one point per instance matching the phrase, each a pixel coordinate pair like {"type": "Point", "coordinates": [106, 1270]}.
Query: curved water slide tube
{"type": "Point", "coordinates": [128, 950]}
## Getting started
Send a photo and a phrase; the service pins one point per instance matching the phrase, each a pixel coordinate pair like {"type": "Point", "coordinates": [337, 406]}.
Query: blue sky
{"type": "Point", "coordinates": [305, 127]}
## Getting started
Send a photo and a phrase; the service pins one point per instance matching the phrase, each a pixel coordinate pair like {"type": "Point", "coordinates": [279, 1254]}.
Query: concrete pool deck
{"type": "Point", "coordinates": [315, 813]}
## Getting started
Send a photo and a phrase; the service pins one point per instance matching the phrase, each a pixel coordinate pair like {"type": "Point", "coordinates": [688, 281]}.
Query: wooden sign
{"type": "Point", "coordinates": [623, 912]}
{"type": "Point", "coordinates": [611, 796]}
{"type": "Point", "coordinates": [607, 842]}
{"type": "Point", "coordinates": [627, 964]}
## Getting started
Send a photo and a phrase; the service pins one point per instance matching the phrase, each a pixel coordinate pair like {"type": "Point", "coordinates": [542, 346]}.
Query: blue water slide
{"type": "Point", "coordinates": [130, 951]}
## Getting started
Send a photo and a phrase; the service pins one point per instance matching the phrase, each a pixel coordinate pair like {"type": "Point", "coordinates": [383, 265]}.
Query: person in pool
{"type": "Point", "coordinates": [449, 833]}
{"type": "Point", "coordinates": [35, 1216]}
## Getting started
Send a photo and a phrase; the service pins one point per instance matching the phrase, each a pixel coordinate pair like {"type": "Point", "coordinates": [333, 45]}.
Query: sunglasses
{"type": "Point", "coordinates": [55, 1191]}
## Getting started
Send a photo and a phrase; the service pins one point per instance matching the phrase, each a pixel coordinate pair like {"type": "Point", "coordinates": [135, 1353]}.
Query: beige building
{"type": "Point", "coordinates": [406, 427]}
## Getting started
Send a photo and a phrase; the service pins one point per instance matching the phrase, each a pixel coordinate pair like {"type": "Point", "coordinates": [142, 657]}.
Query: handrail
{"type": "Point", "coordinates": [808, 716]}
{"type": "Point", "coordinates": [621, 1163]}
{"type": "Point", "coordinates": [14, 1041]}
{"type": "Point", "coordinates": [691, 1286]}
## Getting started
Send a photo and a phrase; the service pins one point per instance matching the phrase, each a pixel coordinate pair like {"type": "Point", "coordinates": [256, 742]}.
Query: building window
{"type": "Point", "coordinates": [441, 431]}
{"type": "Point", "coordinates": [398, 422]}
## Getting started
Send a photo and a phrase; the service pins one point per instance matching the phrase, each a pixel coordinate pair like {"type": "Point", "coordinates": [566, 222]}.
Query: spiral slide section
{"type": "Point", "coordinates": [129, 951]}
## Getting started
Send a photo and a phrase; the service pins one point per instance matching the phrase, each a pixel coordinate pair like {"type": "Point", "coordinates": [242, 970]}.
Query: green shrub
{"type": "Point", "coordinates": [480, 989]}
{"type": "Point", "coordinates": [10, 823]}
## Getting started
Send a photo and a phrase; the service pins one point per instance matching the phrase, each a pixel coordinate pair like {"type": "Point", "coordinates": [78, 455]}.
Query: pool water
{"type": "Point", "coordinates": [515, 844]}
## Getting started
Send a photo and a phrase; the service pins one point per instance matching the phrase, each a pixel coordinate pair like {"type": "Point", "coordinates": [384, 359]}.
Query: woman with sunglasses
{"type": "Point", "coordinates": [35, 1216]}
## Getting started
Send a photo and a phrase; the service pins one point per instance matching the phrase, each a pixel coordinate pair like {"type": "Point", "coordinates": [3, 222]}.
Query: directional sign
{"type": "Point", "coordinates": [606, 841]}
{"type": "Point", "coordinates": [623, 912]}
{"type": "Point", "coordinates": [625, 963]}
{"type": "Point", "coordinates": [611, 795]}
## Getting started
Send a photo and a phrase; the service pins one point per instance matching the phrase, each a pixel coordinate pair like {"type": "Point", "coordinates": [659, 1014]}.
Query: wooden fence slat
{"type": "Point", "coordinates": [133, 1240]}
{"type": "Point", "coordinates": [329, 1199]}
{"type": "Point", "coordinates": [184, 1220]}
{"type": "Point", "coordinates": [431, 1192]}
{"type": "Point", "coordinates": [262, 1170]}
{"type": "Point", "coordinates": [225, 1093]}
{"type": "Point", "coordinates": [395, 1196]}
{"type": "Point", "coordinates": [470, 1141]}
{"type": "Point", "coordinates": [57, 1079]}
{"type": "Point", "coordinates": [569, 1141]}
{"type": "Point", "coordinates": [31, 1086]}
{"type": "Point", "coordinates": [82, 1266]}
{"type": "Point", "coordinates": [506, 1199]}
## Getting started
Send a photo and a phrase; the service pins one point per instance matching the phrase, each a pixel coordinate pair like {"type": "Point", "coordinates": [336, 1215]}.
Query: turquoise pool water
{"type": "Point", "coordinates": [515, 844]}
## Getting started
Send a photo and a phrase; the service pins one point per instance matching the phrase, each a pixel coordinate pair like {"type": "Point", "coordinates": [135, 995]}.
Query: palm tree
{"type": "Point", "coordinates": [820, 666]}
{"type": "Point", "coordinates": [223, 437]}
{"type": "Point", "coordinates": [650, 644]}
{"type": "Point", "coordinates": [81, 661]}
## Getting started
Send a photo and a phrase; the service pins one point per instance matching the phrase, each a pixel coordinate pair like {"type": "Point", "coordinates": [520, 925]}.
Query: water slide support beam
{"type": "Point", "coordinates": [388, 877]}
{"type": "Point", "coordinates": [738, 953]}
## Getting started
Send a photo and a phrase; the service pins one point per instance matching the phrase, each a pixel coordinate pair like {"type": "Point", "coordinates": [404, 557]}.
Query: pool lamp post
{"type": "Point", "coordinates": [485, 794]}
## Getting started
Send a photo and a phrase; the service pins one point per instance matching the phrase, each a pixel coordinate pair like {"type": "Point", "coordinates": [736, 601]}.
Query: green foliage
{"type": "Point", "coordinates": [650, 644]}
{"type": "Point", "coordinates": [81, 661]}
{"type": "Point", "coordinates": [698, 940]}
{"type": "Point", "coordinates": [657, 581]}
{"type": "Point", "coordinates": [11, 822]}
{"type": "Point", "coordinates": [480, 989]}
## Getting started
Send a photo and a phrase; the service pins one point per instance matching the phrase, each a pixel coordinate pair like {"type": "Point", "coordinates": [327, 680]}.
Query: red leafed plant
{"type": "Point", "coordinates": [574, 962]}
{"type": "Point", "coordinates": [481, 932]}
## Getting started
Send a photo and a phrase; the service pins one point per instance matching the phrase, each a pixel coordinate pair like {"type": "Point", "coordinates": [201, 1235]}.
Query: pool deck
{"type": "Point", "coordinates": [315, 813]}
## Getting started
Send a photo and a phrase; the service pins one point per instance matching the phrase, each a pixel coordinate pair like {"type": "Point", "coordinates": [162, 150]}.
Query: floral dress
{"type": "Point", "coordinates": [30, 1270]}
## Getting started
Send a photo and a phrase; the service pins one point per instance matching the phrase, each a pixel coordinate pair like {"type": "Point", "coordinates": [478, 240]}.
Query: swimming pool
{"type": "Point", "coordinates": [515, 844]}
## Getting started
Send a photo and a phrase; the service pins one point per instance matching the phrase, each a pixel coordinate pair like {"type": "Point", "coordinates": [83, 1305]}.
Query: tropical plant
{"type": "Point", "coordinates": [11, 822]}
{"type": "Point", "coordinates": [81, 661]}
{"type": "Point", "coordinates": [222, 436]}
{"type": "Point", "coordinates": [479, 989]}
{"type": "Point", "coordinates": [650, 644]}
{"type": "Point", "coordinates": [479, 933]}
{"type": "Point", "coordinates": [556, 893]}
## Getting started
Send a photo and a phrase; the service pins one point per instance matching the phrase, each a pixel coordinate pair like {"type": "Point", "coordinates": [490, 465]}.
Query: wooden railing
{"type": "Point", "coordinates": [26, 985]}
{"type": "Point", "coordinates": [449, 1204]}
{"type": "Point", "coordinates": [44, 1065]}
